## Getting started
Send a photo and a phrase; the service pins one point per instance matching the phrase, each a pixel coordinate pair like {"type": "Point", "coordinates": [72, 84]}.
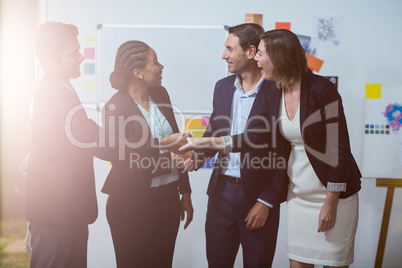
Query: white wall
{"type": "Point", "coordinates": [371, 54]}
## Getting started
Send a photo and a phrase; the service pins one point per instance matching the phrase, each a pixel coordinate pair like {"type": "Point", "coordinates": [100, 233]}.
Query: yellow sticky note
{"type": "Point", "coordinates": [373, 91]}
{"type": "Point", "coordinates": [90, 85]}
{"type": "Point", "coordinates": [90, 39]}
{"type": "Point", "coordinates": [198, 131]}
{"type": "Point", "coordinates": [190, 123]}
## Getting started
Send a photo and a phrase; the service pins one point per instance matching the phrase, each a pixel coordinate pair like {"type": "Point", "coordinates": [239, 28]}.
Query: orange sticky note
{"type": "Point", "coordinates": [282, 25]}
{"type": "Point", "coordinates": [191, 123]}
{"type": "Point", "coordinates": [254, 18]}
{"type": "Point", "coordinates": [314, 63]}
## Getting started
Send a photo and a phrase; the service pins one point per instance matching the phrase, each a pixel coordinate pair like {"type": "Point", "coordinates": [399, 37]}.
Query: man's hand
{"type": "Point", "coordinates": [215, 143]}
{"type": "Point", "coordinates": [186, 207]}
{"type": "Point", "coordinates": [174, 142]}
{"type": "Point", "coordinates": [257, 216]}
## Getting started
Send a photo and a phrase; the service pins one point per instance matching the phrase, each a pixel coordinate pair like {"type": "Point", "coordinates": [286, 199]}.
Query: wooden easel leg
{"type": "Point", "coordinates": [384, 227]}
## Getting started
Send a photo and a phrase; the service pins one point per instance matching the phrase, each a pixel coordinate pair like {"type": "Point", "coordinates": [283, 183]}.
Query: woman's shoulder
{"type": "Point", "coordinates": [317, 82]}
{"type": "Point", "coordinates": [119, 97]}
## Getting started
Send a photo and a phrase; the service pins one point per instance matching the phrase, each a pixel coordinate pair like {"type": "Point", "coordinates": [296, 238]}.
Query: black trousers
{"type": "Point", "coordinates": [145, 235]}
{"type": "Point", "coordinates": [226, 230]}
{"type": "Point", "coordinates": [62, 248]}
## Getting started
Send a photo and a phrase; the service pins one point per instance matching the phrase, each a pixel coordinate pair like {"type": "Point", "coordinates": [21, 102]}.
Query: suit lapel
{"type": "Point", "coordinates": [227, 102]}
{"type": "Point", "coordinates": [132, 109]}
{"type": "Point", "coordinates": [304, 97]}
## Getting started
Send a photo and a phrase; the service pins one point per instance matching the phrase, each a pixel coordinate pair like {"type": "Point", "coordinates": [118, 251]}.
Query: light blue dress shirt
{"type": "Point", "coordinates": [160, 128]}
{"type": "Point", "coordinates": [241, 107]}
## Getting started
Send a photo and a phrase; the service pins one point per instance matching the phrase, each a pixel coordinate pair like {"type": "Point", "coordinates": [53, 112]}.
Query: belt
{"type": "Point", "coordinates": [232, 179]}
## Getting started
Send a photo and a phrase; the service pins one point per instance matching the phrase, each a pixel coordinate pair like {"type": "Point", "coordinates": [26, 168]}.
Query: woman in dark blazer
{"type": "Point", "coordinates": [144, 206]}
{"type": "Point", "coordinates": [322, 203]}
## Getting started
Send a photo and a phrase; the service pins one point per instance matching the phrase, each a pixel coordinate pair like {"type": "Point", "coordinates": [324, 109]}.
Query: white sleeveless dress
{"type": "Point", "coordinates": [306, 196]}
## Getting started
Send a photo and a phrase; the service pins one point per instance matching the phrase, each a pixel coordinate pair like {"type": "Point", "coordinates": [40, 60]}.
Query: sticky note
{"type": "Point", "coordinates": [314, 63]}
{"type": "Point", "coordinates": [90, 85]}
{"type": "Point", "coordinates": [90, 39]}
{"type": "Point", "coordinates": [89, 68]}
{"type": "Point", "coordinates": [198, 131]}
{"type": "Point", "coordinates": [205, 121]}
{"type": "Point", "coordinates": [89, 53]}
{"type": "Point", "coordinates": [373, 91]}
{"type": "Point", "coordinates": [254, 18]}
{"type": "Point", "coordinates": [210, 163]}
{"type": "Point", "coordinates": [190, 123]}
{"type": "Point", "coordinates": [282, 25]}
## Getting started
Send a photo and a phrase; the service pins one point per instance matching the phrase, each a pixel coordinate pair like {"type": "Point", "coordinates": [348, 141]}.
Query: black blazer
{"type": "Point", "coordinates": [60, 185]}
{"type": "Point", "coordinates": [139, 159]}
{"type": "Point", "coordinates": [324, 132]}
{"type": "Point", "coordinates": [257, 182]}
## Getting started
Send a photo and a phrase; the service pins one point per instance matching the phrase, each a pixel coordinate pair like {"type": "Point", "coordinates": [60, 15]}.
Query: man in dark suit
{"type": "Point", "coordinates": [244, 195]}
{"type": "Point", "coordinates": [60, 188]}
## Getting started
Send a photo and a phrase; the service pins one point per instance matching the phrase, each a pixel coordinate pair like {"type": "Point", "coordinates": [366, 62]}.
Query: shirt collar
{"type": "Point", "coordinates": [255, 90]}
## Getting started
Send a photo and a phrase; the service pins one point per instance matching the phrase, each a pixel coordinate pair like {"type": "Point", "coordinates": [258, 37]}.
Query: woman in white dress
{"type": "Point", "coordinates": [322, 204]}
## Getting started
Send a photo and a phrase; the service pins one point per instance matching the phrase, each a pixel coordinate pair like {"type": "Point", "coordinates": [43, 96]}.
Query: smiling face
{"type": "Point", "coordinates": [152, 72]}
{"type": "Point", "coordinates": [264, 62]}
{"type": "Point", "coordinates": [235, 56]}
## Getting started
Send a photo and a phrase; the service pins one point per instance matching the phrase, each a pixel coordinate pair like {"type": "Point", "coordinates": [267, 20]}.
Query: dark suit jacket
{"type": "Point", "coordinates": [60, 186]}
{"type": "Point", "coordinates": [324, 131]}
{"type": "Point", "coordinates": [257, 181]}
{"type": "Point", "coordinates": [131, 175]}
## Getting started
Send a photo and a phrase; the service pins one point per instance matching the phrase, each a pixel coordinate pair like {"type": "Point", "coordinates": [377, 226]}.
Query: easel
{"type": "Point", "coordinates": [391, 184]}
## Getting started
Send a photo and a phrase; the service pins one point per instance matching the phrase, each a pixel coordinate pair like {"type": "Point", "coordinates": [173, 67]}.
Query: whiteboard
{"type": "Point", "coordinates": [382, 156]}
{"type": "Point", "coordinates": [191, 56]}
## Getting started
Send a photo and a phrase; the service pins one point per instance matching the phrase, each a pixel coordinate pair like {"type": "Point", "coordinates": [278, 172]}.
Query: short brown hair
{"type": "Point", "coordinates": [248, 34]}
{"type": "Point", "coordinates": [287, 55]}
{"type": "Point", "coordinates": [49, 39]}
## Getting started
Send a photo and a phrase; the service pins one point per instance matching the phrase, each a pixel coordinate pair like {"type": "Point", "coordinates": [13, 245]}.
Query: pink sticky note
{"type": "Point", "coordinates": [89, 52]}
{"type": "Point", "coordinates": [205, 121]}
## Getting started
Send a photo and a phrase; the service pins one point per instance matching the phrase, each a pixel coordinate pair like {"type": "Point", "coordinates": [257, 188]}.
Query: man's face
{"type": "Point", "coordinates": [67, 64]}
{"type": "Point", "coordinates": [234, 55]}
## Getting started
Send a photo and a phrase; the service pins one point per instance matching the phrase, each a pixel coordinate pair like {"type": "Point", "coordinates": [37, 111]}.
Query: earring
{"type": "Point", "coordinates": [140, 76]}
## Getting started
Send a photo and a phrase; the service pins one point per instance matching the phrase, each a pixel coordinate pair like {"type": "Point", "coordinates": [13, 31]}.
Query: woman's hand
{"type": "Point", "coordinates": [185, 161]}
{"type": "Point", "coordinates": [186, 207]}
{"type": "Point", "coordinates": [327, 217]}
{"type": "Point", "coordinates": [189, 163]}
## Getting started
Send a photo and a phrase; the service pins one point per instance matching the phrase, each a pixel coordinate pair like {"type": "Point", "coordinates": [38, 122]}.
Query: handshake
{"type": "Point", "coordinates": [180, 147]}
